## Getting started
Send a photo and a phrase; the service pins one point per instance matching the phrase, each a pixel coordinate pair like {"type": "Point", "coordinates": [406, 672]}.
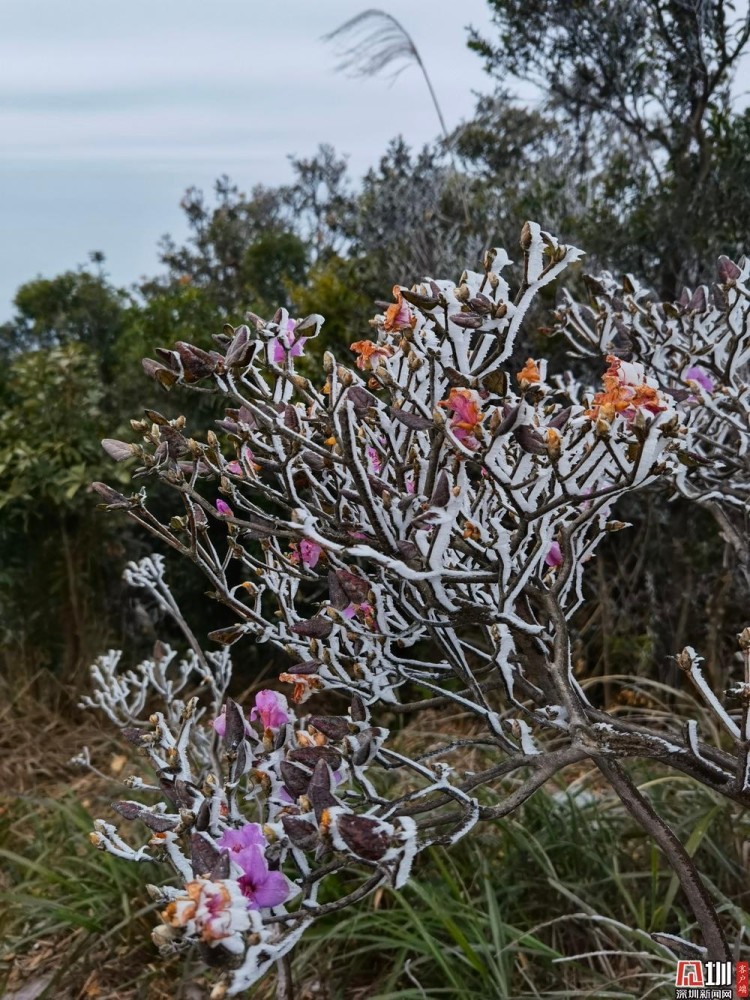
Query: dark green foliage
{"type": "Point", "coordinates": [640, 95]}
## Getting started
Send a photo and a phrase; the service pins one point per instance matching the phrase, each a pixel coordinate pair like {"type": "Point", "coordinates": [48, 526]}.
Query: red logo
{"type": "Point", "coordinates": [742, 979]}
{"type": "Point", "coordinates": [689, 974]}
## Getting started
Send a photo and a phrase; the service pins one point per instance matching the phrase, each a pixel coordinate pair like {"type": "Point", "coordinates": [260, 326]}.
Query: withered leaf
{"type": "Point", "coordinates": [117, 450]}
{"type": "Point", "coordinates": [336, 593]}
{"type": "Point", "coordinates": [468, 321]}
{"type": "Point", "coordinates": [309, 756]}
{"type": "Point", "coordinates": [456, 378]}
{"type": "Point", "coordinates": [295, 779]}
{"type": "Point", "coordinates": [319, 789]}
{"type": "Point", "coordinates": [357, 710]}
{"type": "Point", "coordinates": [307, 667]}
{"type": "Point", "coordinates": [407, 550]}
{"type": "Point", "coordinates": [560, 419]}
{"type": "Point", "coordinates": [234, 732]}
{"type": "Point", "coordinates": [196, 363]}
{"type": "Point", "coordinates": [442, 491]}
{"type": "Point", "coordinates": [360, 398]}
{"type": "Point", "coordinates": [241, 349]}
{"type": "Point", "coordinates": [355, 588]}
{"type": "Point", "coordinates": [154, 821]}
{"type": "Point", "coordinates": [203, 853]}
{"type": "Point", "coordinates": [301, 832]}
{"type": "Point", "coordinates": [364, 836]}
{"type": "Point", "coordinates": [318, 627]}
{"type": "Point", "coordinates": [334, 727]}
{"type": "Point", "coordinates": [227, 636]}
{"type": "Point", "coordinates": [220, 867]}
{"type": "Point", "coordinates": [203, 817]}
{"type": "Point", "coordinates": [510, 416]}
{"type": "Point", "coordinates": [414, 421]}
{"type": "Point", "coordinates": [291, 417]}
{"type": "Point", "coordinates": [530, 440]}
{"type": "Point", "coordinates": [112, 499]}
{"type": "Point", "coordinates": [728, 270]}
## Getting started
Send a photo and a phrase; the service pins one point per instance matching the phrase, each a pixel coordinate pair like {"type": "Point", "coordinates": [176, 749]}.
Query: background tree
{"type": "Point", "coordinates": [644, 90]}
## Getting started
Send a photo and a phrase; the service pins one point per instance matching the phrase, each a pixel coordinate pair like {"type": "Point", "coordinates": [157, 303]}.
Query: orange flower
{"type": "Point", "coordinates": [304, 685]}
{"type": "Point", "coordinates": [467, 416]}
{"type": "Point", "coordinates": [625, 391]}
{"type": "Point", "coordinates": [529, 374]}
{"type": "Point", "coordinates": [398, 316]}
{"type": "Point", "coordinates": [369, 350]}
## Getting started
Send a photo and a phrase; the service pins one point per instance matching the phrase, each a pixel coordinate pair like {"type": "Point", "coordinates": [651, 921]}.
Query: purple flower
{"type": "Point", "coordinates": [554, 555]}
{"type": "Point", "coordinates": [235, 468]}
{"type": "Point", "coordinates": [271, 708]}
{"type": "Point", "coordinates": [286, 345]}
{"type": "Point", "coordinates": [309, 552]}
{"type": "Point", "coordinates": [374, 458]}
{"type": "Point", "coordinates": [365, 609]}
{"type": "Point", "coordinates": [261, 887]}
{"type": "Point", "coordinates": [697, 374]}
{"type": "Point", "coordinates": [249, 835]}
{"type": "Point", "coordinates": [224, 509]}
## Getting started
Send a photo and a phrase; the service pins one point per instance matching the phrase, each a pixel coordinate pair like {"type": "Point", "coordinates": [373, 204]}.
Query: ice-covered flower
{"type": "Point", "coordinates": [304, 685]}
{"type": "Point", "coordinates": [625, 392]}
{"type": "Point", "coordinates": [554, 556]}
{"type": "Point", "coordinates": [697, 374]}
{"type": "Point", "coordinates": [286, 345]}
{"type": "Point", "coordinates": [373, 456]}
{"type": "Point", "coordinates": [223, 508]}
{"type": "Point", "coordinates": [369, 352]}
{"type": "Point", "coordinates": [271, 708]}
{"type": "Point", "coordinates": [214, 912]}
{"type": "Point", "coordinates": [467, 415]}
{"type": "Point", "coordinates": [364, 609]}
{"type": "Point", "coordinates": [306, 551]}
{"type": "Point", "coordinates": [398, 316]}
{"type": "Point", "coordinates": [529, 374]}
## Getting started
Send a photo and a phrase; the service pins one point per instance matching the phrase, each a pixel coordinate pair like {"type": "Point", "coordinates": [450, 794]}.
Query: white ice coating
{"type": "Point", "coordinates": [418, 527]}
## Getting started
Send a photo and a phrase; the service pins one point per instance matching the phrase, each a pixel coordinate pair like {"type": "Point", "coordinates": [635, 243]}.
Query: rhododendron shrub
{"type": "Point", "coordinates": [411, 530]}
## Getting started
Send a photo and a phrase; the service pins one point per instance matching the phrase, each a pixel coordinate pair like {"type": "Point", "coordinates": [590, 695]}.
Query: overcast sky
{"type": "Point", "coordinates": [109, 111]}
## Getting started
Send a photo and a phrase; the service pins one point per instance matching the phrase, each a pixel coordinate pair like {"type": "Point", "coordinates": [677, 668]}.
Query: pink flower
{"type": "Point", "coordinates": [467, 415]}
{"type": "Point", "coordinates": [365, 609]}
{"type": "Point", "coordinates": [271, 708]}
{"type": "Point", "coordinates": [286, 345]}
{"type": "Point", "coordinates": [398, 315]}
{"type": "Point", "coordinates": [554, 555]}
{"type": "Point", "coordinates": [697, 374]}
{"type": "Point", "coordinates": [215, 912]}
{"type": "Point", "coordinates": [374, 458]}
{"type": "Point", "coordinates": [309, 552]}
{"type": "Point", "coordinates": [249, 835]}
{"type": "Point", "coordinates": [261, 887]}
{"type": "Point", "coordinates": [224, 509]}
{"type": "Point", "coordinates": [234, 468]}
